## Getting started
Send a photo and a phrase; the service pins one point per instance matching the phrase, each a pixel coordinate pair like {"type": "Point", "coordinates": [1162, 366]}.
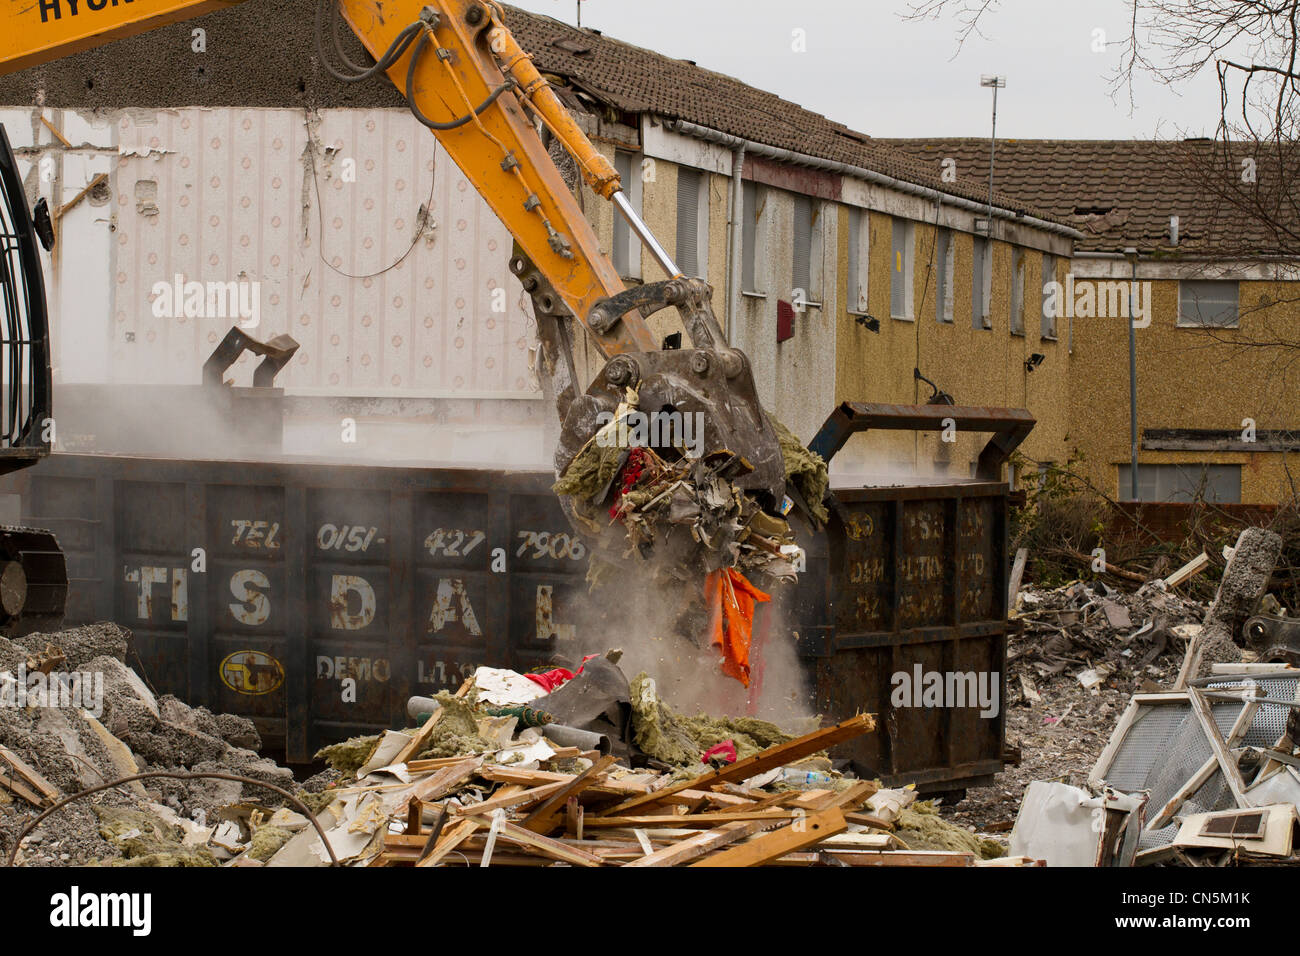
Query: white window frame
{"type": "Point", "coordinates": [858, 286]}
{"type": "Point", "coordinates": [701, 201]}
{"type": "Point", "coordinates": [1184, 323]}
{"type": "Point", "coordinates": [906, 267]}
{"type": "Point", "coordinates": [626, 246]}
{"type": "Point", "coordinates": [982, 265]}
{"type": "Point", "coordinates": [1047, 329]}
{"type": "Point", "coordinates": [752, 250]}
{"type": "Point", "coordinates": [944, 280]}
{"type": "Point", "coordinates": [1018, 291]}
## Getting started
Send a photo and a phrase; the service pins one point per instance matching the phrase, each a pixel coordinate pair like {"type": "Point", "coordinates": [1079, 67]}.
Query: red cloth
{"type": "Point", "coordinates": [632, 470]}
{"type": "Point", "coordinates": [725, 750]}
{"type": "Point", "coordinates": [554, 679]}
{"type": "Point", "coordinates": [731, 599]}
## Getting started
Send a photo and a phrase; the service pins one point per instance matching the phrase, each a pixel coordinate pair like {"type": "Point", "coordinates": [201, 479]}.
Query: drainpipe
{"type": "Point", "coordinates": [736, 252]}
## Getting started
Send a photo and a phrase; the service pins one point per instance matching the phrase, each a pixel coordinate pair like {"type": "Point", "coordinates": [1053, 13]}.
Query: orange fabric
{"type": "Point", "coordinates": [731, 599]}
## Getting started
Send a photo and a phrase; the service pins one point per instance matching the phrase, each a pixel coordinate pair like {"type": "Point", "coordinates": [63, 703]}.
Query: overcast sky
{"type": "Point", "coordinates": [872, 71]}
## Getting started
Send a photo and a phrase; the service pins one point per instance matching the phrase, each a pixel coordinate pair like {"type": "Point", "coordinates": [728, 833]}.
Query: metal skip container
{"type": "Point", "coordinates": [316, 598]}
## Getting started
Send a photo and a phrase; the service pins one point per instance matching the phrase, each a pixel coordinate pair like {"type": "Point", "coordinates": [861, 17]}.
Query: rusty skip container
{"type": "Point", "coordinates": [316, 598]}
{"type": "Point", "coordinates": [903, 611]}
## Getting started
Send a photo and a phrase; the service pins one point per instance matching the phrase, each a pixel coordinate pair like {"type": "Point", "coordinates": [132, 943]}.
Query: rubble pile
{"type": "Point", "coordinates": [1153, 713]}
{"type": "Point", "coordinates": [560, 768]}
{"type": "Point", "coordinates": [75, 716]}
{"type": "Point", "coordinates": [636, 784]}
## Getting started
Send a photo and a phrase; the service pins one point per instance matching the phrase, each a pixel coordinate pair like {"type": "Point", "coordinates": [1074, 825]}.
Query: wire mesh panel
{"type": "Point", "coordinates": [1163, 748]}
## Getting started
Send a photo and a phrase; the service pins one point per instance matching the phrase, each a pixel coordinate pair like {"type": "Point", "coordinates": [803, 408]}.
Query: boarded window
{"type": "Point", "coordinates": [1017, 292]}
{"type": "Point", "coordinates": [1184, 482]}
{"type": "Point", "coordinates": [1045, 304]}
{"type": "Point", "coordinates": [627, 248]}
{"type": "Point", "coordinates": [900, 269]}
{"type": "Point", "coordinates": [943, 258]}
{"type": "Point", "coordinates": [692, 222]}
{"type": "Point", "coordinates": [859, 259]}
{"type": "Point", "coordinates": [750, 237]}
{"type": "Point", "coordinates": [981, 263]}
{"type": "Point", "coordinates": [803, 229]}
{"type": "Point", "coordinates": [1209, 304]}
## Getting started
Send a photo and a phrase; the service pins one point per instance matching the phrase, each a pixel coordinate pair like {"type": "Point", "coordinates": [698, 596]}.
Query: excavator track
{"type": "Point", "coordinates": [33, 581]}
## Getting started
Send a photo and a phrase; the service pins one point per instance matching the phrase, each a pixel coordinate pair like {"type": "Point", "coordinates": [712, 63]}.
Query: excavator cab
{"type": "Point", "coordinates": [33, 575]}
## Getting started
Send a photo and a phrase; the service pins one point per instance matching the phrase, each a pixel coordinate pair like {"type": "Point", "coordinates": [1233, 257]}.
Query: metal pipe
{"type": "Point", "coordinates": [1132, 255]}
{"type": "Point", "coordinates": [643, 232]}
{"type": "Point", "coordinates": [737, 237]}
{"type": "Point", "coordinates": [577, 737]}
{"type": "Point", "coordinates": [868, 175]}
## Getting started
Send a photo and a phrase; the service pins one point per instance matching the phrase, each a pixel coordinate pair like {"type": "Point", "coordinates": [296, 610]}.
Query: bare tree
{"type": "Point", "coordinates": [1246, 178]}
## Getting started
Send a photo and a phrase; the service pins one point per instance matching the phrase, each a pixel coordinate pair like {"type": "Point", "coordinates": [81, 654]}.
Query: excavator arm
{"type": "Point", "coordinates": [467, 80]}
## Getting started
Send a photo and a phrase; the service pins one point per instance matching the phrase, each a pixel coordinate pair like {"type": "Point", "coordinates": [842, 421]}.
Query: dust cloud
{"type": "Point", "coordinates": [660, 626]}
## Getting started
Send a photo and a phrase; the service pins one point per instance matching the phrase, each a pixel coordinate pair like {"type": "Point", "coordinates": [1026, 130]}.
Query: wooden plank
{"type": "Point", "coordinates": [553, 848]}
{"type": "Point", "coordinates": [909, 858]}
{"type": "Point", "coordinates": [1017, 575]}
{"type": "Point", "coordinates": [573, 814]}
{"type": "Point", "coordinates": [695, 847]}
{"type": "Point", "coordinates": [547, 817]}
{"type": "Point", "coordinates": [1191, 659]}
{"type": "Point", "coordinates": [422, 735]}
{"type": "Point", "coordinates": [753, 806]}
{"type": "Point", "coordinates": [30, 776]}
{"type": "Point", "coordinates": [450, 839]}
{"type": "Point", "coordinates": [15, 785]}
{"type": "Point", "coordinates": [857, 795]}
{"type": "Point", "coordinates": [433, 763]}
{"type": "Point", "coordinates": [445, 780]}
{"type": "Point", "coordinates": [800, 834]}
{"type": "Point", "coordinates": [500, 773]}
{"type": "Point", "coordinates": [1188, 570]}
{"type": "Point", "coordinates": [867, 820]}
{"type": "Point", "coordinates": [724, 800]}
{"type": "Point", "coordinates": [760, 762]}
{"type": "Point", "coordinates": [1231, 773]}
{"type": "Point", "coordinates": [696, 820]}
{"type": "Point", "coordinates": [507, 798]}
{"type": "Point", "coordinates": [414, 808]}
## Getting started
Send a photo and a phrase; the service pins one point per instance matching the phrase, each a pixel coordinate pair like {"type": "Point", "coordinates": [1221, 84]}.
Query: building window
{"type": "Point", "coordinates": [1017, 292]}
{"type": "Point", "coordinates": [859, 259]}
{"type": "Point", "coordinates": [943, 260]}
{"type": "Point", "coordinates": [981, 286]}
{"type": "Point", "coordinates": [752, 237]}
{"type": "Point", "coordinates": [900, 275]}
{"type": "Point", "coordinates": [807, 254]}
{"type": "Point", "coordinates": [1184, 482]}
{"type": "Point", "coordinates": [692, 222]}
{"type": "Point", "coordinates": [1207, 304]}
{"type": "Point", "coordinates": [1048, 316]}
{"type": "Point", "coordinates": [627, 247]}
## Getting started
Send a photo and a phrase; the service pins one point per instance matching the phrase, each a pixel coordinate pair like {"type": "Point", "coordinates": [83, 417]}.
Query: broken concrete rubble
{"type": "Point", "coordinates": [1170, 709]}
{"type": "Point", "coordinates": [60, 751]}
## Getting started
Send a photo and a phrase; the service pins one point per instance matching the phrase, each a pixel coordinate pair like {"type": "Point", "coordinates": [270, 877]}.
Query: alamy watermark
{"type": "Point", "coordinates": [636, 429]}
{"type": "Point", "coordinates": [82, 689]}
{"type": "Point", "coordinates": [241, 299]}
{"type": "Point", "coordinates": [1098, 298]}
{"type": "Point", "coordinates": [922, 688]}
